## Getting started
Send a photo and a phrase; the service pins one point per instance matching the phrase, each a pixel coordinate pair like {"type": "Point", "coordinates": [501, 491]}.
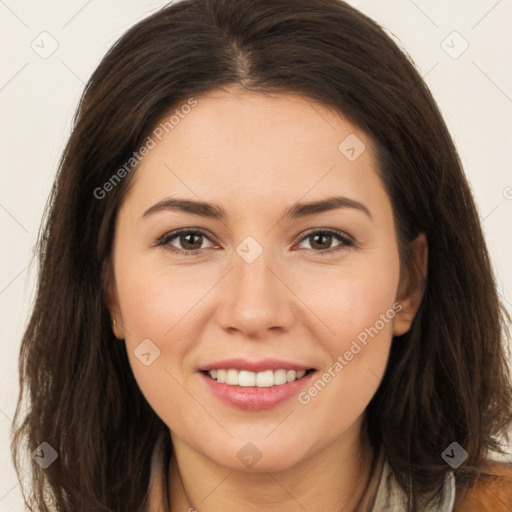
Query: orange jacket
{"type": "Point", "coordinates": [493, 494]}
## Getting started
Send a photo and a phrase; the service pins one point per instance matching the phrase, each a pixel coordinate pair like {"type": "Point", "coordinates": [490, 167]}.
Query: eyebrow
{"type": "Point", "coordinates": [213, 211]}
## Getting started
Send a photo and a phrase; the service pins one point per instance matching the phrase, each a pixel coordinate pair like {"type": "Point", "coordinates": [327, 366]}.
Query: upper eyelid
{"type": "Point", "coordinates": [174, 234]}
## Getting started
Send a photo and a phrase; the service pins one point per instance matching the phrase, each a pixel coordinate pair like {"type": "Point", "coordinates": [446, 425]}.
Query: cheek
{"type": "Point", "coordinates": [358, 308]}
{"type": "Point", "coordinates": [155, 299]}
{"type": "Point", "coordinates": [353, 300]}
{"type": "Point", "coordinates": [156, 305]}
{"type": "Point", "coordinates": [158, 309]}
{"type": "Point", "coordinates": [360, 312]}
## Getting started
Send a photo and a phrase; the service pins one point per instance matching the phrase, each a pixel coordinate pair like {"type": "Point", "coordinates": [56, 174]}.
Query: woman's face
{"type": "Point", "coordinates": [269, 293]}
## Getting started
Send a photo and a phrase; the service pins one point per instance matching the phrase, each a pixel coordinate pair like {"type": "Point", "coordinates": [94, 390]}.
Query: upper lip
{"type": "Point", "coordinates": [254, 366]}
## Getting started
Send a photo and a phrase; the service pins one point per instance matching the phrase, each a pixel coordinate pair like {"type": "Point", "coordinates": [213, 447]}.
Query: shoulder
{"type": "Point", "coordinates": [488, 492]}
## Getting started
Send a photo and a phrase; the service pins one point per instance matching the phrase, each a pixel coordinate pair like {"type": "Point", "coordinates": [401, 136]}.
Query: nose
{"type": "Point", "coordinates": [254, 298]}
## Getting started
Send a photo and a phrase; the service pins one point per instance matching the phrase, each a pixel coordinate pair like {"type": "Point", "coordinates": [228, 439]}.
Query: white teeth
{"type": "Point", "coordinates": [232, 377]}
{"type": "Point", "coordinates": [280, 377]}
{"type": "Point", "coordinates": [264, 379]}
{"type": "Point", "coordinates": [246, 378]}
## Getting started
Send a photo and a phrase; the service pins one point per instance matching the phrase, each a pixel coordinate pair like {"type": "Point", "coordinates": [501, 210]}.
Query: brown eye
{"type": "Point", "coordinates": [321, 241]}
{"type": "Point", "coordinates": [190, 241]}
{"type": "Point", "coordinates": [187, 242]}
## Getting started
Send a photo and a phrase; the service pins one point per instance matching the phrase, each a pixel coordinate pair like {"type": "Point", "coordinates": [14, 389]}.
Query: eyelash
{"type": "Point", "coordinates": [166, 239]}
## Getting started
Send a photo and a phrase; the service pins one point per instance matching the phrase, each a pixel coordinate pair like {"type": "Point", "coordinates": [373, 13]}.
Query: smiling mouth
{"type": "Point", "coordinates": [265, 379]}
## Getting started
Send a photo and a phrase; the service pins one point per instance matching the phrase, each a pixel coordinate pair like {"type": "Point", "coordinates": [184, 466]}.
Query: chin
{"type": "Point", "coordinates": [257, 456]}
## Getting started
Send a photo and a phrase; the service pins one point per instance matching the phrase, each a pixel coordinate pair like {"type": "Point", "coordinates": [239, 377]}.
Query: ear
{"type": "Point", "coordinates": [411, 286]}
{"type": "Point", "coordinates": [111, 299]}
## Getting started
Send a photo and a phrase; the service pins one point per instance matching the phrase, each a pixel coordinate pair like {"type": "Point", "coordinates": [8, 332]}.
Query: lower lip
{"type": "Point", "coordinates": [254, 398]}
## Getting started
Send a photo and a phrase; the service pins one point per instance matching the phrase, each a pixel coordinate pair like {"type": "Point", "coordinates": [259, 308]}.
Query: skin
{"type": "Point", "coordinates": [242, 150]}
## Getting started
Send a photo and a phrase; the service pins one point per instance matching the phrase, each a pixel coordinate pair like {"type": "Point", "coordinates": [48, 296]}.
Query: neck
{"type": "Point", "coordinates": [342, 477]}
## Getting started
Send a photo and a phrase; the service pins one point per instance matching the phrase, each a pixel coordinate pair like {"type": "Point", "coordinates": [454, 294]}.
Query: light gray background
{"type": "Point", "coordinates": [38, 97]}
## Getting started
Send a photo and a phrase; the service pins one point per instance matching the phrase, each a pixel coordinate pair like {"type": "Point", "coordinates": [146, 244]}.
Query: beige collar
{"type": "Point", "coordinates": [157, 491]}
{"type": "Point", "coordinates": [391, 498]}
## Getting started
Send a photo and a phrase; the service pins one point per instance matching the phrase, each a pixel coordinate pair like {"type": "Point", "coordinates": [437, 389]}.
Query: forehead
{"type": "Point", "coordinates": [256, 149]}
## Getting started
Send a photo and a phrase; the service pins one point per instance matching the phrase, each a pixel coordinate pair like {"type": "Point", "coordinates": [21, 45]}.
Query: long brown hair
{"type": "Point", "coordinates": [447, 379]}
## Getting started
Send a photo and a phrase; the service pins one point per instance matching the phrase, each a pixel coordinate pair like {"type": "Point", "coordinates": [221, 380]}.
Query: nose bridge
{"type": "Point", "coordinates": [255, 299]}
{"type": "Point", "coordinates": [252, 274]}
